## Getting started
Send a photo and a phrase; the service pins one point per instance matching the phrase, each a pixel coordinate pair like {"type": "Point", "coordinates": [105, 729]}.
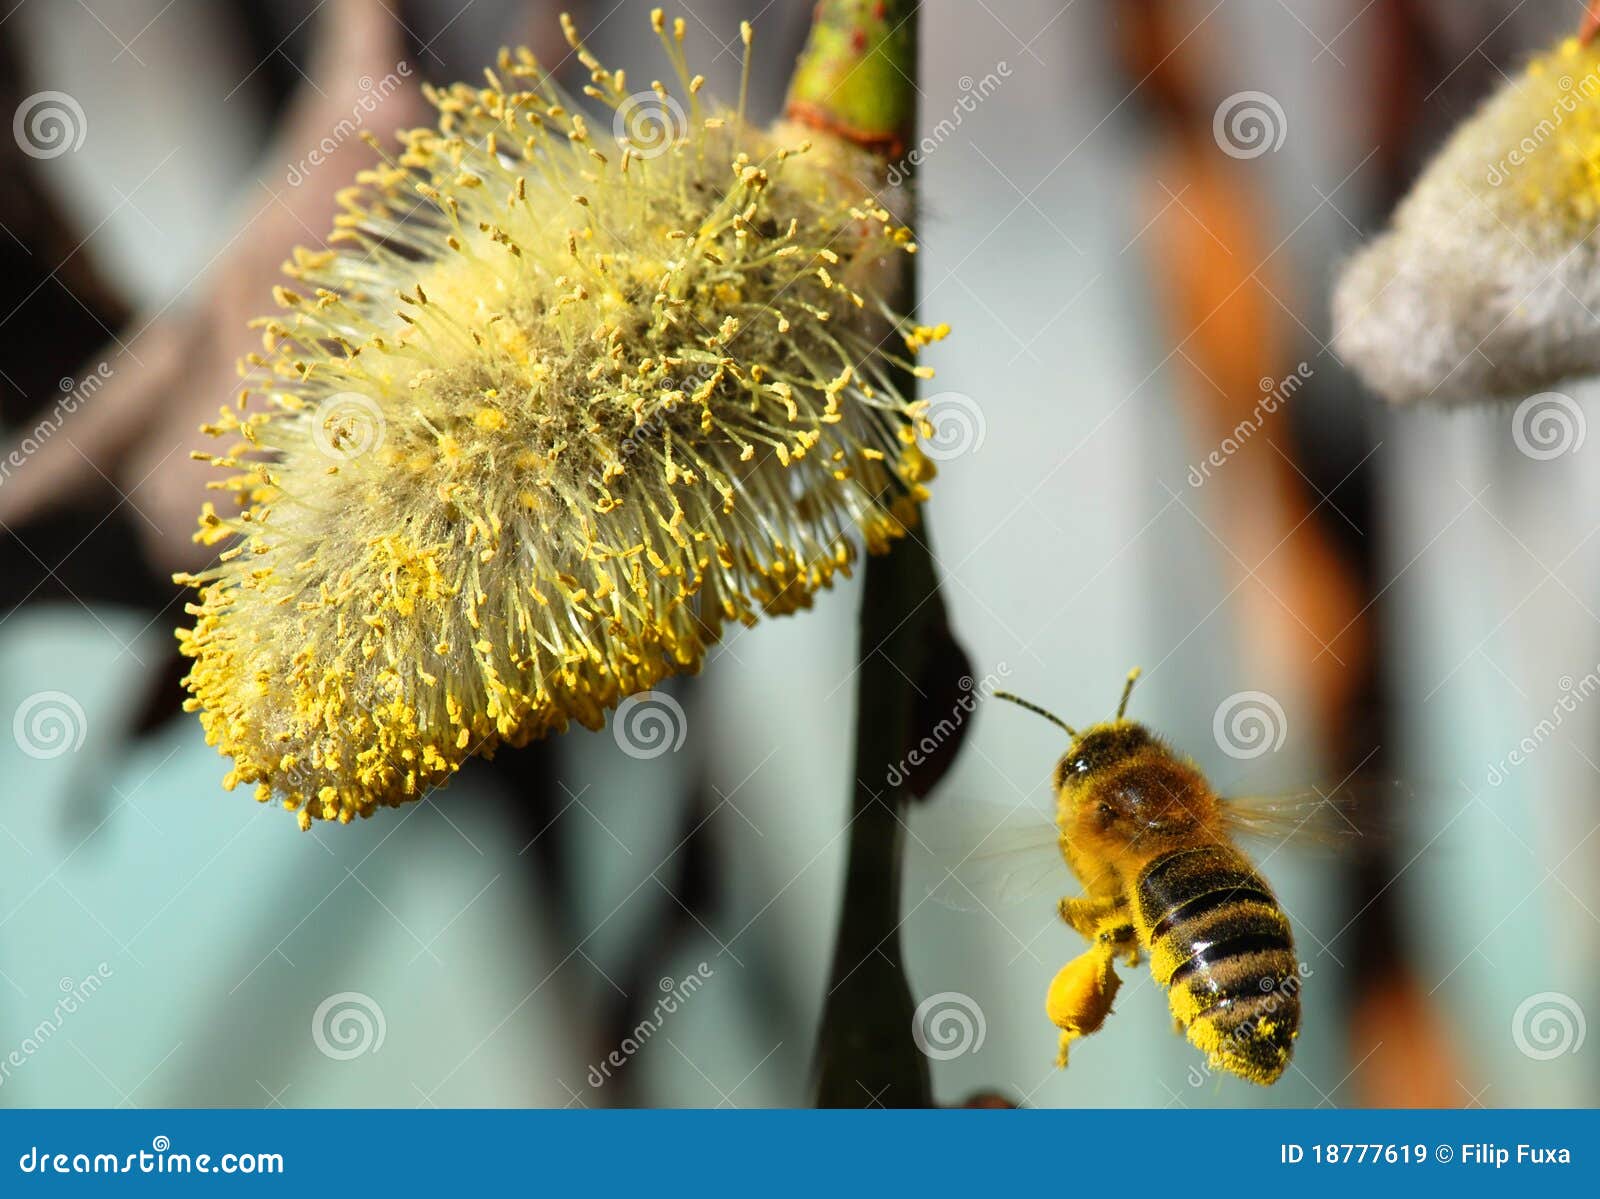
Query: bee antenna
{"type": "Point", "coordinates": [1037, 711]}
{"type": "Point", "coordinates": [1127, 690]}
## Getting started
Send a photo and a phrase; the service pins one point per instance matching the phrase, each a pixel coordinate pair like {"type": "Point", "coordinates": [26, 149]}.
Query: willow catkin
{"type": "Point", "coordinates": [554, 407]}
{"type": "Point", "coordinates": [1487, 282]}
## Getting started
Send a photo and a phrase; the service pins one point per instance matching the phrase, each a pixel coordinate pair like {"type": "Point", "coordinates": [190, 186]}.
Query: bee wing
{"type": "Point", "coordinates": [1339, 819]}
{"type": "Point", "coordinates": [977, 856]}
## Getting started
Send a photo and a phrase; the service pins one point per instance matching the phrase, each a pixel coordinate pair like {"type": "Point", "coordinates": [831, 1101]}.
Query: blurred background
{"type": "Point", "coordinates": [1131, 214]}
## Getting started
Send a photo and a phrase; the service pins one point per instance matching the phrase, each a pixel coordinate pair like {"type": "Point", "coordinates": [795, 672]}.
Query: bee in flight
{"type": "Point", "coordinates": [1152, 845]}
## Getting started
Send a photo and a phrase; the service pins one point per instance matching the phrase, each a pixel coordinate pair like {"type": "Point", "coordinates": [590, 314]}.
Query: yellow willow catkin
{"type": "Point", "coordinates": [555, 407]}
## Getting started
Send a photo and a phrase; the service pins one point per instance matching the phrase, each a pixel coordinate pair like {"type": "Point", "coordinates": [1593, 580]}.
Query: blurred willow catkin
{"type": "Point", "coordinates": [558, 403]}
{"type": "Point", "coordinates": [1487, 282]}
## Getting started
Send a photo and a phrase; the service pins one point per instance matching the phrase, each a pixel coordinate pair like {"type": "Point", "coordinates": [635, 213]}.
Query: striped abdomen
{"type": "Point", "coordinates": [1220, 944]}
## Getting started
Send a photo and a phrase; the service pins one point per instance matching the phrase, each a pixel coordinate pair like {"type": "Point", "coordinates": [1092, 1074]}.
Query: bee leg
{"type": "Point", "coordinates": [1118, 935]}
{"type": "Point", "coordinates": [1061, 1053]}
{"type": "Point", "coordinates": [1086, 915]}
{"type": "Point", "coordinates": [1080, 996]}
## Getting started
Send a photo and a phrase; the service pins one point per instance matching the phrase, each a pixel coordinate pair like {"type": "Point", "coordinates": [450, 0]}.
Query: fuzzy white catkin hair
{"type": "Point", "coordinates": [1487, 283]}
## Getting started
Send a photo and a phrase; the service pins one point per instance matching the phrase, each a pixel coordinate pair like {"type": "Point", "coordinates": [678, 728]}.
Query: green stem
{"type": "Point", "coordinates": [854, 77]}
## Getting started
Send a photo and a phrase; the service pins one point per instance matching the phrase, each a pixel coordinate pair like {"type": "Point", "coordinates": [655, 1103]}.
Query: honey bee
{"type": "Point", "coordinates": [1152, 845]}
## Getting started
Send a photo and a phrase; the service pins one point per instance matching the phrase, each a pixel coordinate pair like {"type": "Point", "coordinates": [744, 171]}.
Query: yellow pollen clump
{"type": "Point", "coordinates": [1549, 168]}
{"type": "Point", "coordinates": [1081, 994]}
{"type": "Point", "coordinates": [556, 407]}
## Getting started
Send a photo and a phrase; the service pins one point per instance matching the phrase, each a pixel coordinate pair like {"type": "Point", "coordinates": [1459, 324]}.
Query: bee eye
{"type": "Point", "coordinates": [1072, 767]}
{"type": "Point", "coordinates": [1107, 811]}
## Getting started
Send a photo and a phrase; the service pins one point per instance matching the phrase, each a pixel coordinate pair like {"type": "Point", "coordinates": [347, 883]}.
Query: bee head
{"type": "Point", "coordinates": [1118, 782]}
{"type": "Point", "coordinates": [1097, 748]}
